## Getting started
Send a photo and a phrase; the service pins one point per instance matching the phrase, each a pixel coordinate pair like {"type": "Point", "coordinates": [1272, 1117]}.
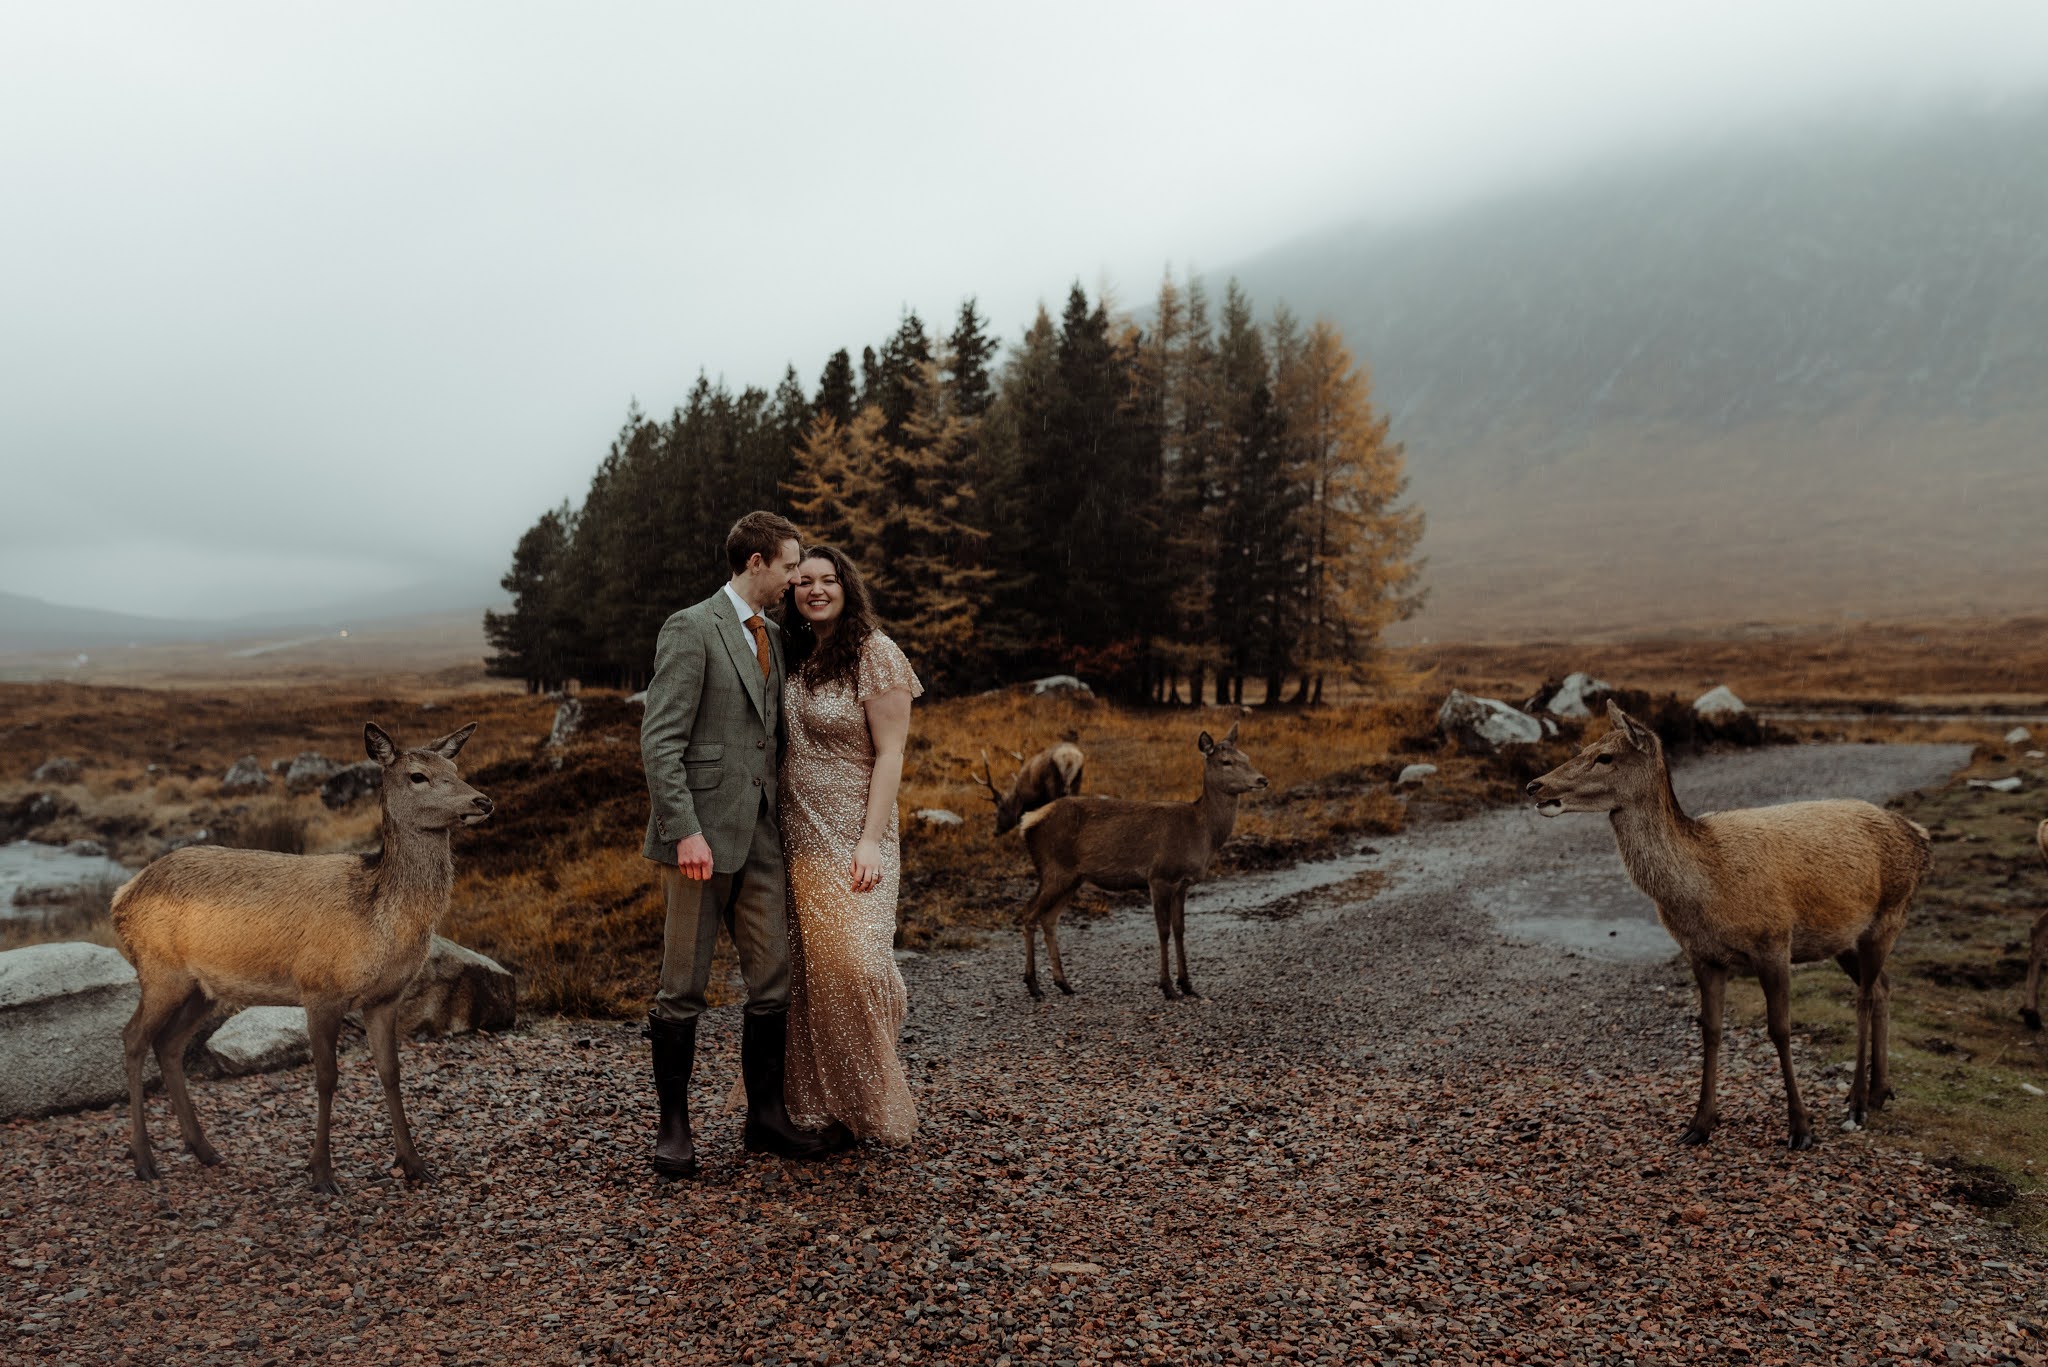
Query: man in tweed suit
{"type": "Point", "coordinates": [710, 743]}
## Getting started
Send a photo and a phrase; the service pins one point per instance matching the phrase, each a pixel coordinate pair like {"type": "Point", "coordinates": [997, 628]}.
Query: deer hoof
{"type": "Point", "coordinates": [204, 1152]}
{"type": "Point", "coordinates": [2031, 1017]}
{"type": "Point", "coordinates": [1031, 986]}
{"type": "Point", "coordinates": [1187, 989]}
{"type": "Point", "coordinates": [1063, 987]}
{"type": "Point", "coordinates": [1694, 1135]}
{"type": "Point", "coordinates": [145, 1170]}
{"type": "Point", "coordinates": [418, 1173]}
{"type": "Point", "coordinates": [1800, 1141]}
{"type": "Point", "coordinates": [1166, 990]}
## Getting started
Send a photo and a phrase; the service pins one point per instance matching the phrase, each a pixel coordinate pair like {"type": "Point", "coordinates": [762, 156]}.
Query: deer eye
{"type": "Point", "coordinates": [417, 778]}
{"type": "Point", "coordinates": [1604, 759]}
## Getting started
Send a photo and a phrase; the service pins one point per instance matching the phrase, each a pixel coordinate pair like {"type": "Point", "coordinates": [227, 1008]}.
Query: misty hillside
{"type": "Point", "coordinates": [1796, 376]}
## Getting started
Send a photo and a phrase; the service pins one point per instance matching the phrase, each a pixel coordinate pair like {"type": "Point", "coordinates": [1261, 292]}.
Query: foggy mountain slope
{"type": "Point", "coordinates": [1788, 377]}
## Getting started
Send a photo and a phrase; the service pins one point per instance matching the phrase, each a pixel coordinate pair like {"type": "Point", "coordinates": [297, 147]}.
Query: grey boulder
{"type": "Point", "coordinates": [350, 784]}
{"type": "Point", "coordinates": [1485, 724]}
{"type": "Point", "coordinates": [1719, 702]}
{"type": "Point", "coordinates": [260, 1038]}
{"type": "Point", "coordinates": [62, 1007]}
{"type": "Point", "coordinates": [56, 769]}
{"type": "Point", "coordinates": [308, 770]}
{"type": "Point", "coordinates": [246, 776]}
{"type": "Point", "coordinates": [458, 990]}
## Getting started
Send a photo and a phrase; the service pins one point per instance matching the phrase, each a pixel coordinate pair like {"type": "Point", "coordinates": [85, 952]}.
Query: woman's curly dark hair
{"type": "Point", "coordinates": [837, 658]}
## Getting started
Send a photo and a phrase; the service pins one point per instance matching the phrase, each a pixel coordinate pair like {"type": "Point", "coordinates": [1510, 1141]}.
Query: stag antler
{"type": "Point", "coordinates": [987, 778]}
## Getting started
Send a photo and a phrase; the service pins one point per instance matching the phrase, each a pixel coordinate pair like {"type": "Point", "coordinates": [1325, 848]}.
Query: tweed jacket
{"type": "Point", "coordinates": [712, 736]}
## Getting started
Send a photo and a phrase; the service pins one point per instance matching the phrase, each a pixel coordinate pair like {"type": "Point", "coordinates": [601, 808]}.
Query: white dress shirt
{"type": "Point", "coordinates": [745, 610]}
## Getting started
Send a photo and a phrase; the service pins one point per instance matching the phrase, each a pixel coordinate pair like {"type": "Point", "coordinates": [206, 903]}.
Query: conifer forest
{"type": "Point", "coordinates": [1171, 507]}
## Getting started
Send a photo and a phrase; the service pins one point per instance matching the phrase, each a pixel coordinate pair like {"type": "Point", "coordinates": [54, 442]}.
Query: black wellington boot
{"type": "Point", "coordinates": [675, 1054]}
{"type": "Point", "coordinates": [769, 1128]}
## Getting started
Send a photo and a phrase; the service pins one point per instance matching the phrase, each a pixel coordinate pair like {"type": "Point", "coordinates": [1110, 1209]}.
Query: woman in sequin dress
{"type": "Point", "coordinates": [847, 706]}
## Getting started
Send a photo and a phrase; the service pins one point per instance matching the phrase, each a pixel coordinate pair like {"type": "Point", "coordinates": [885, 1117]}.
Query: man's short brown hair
{"type": "Point", "coordinates": [761, 534]}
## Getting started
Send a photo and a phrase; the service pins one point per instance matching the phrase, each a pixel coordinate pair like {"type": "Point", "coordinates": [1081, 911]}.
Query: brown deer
{"type": "Point", "coordinates": [1053, 772]}
{"type": "Point", "coordinates": [2031, 1012]}
{"type": "Point", "coordinates": [1756, 891]}
{"type": "Point", "coordinates": [334, 932]}
{"type": "Point", "coordinates": [1123, 845]}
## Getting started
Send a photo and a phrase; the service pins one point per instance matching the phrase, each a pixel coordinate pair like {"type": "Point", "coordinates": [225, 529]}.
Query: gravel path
{"type": "Point", "coordinates": [1391, 1133]}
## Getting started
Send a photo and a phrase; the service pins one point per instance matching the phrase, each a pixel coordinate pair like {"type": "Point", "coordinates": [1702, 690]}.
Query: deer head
{"type": "Point", "coordinates": [1613, 772]}
{"type": "Point", "coordinates": [422, 791]}
{"type": "Point", "coordinates": [1227, 770]}
{"type": "Point", "coordinates": [1009, 805]}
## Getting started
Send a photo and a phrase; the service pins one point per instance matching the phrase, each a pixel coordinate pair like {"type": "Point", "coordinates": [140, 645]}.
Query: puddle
{"type": "Point", "coordinates": [26, 867]}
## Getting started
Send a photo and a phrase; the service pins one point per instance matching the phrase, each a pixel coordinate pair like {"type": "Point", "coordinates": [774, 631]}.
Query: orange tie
{"type": "Point", "coordinates": [760, 630]}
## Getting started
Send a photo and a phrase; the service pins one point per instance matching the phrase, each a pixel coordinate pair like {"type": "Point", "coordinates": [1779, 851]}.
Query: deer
{"type": "Point", "coordinates": [1053, 772]}
{"type": "Point", "coordinates": [2038, 950]}
{"type": "Point", "coordinates": [332, 932]}
{"type": "Point", "coordinates": [1121, 844]}
{"type": "Point", "coordinates": [1757, 890]}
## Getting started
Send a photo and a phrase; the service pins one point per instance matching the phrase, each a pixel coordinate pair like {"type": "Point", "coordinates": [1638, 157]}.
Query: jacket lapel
{"type": "Point", "coordinates": [741, 647]}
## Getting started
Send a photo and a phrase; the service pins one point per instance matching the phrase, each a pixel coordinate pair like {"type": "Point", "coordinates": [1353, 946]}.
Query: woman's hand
{"type": "Point", "coordinates": [867, 865]}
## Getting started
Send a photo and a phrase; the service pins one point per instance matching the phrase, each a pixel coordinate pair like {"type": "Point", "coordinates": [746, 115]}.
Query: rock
{"type": "Point", "coordinates": [308, 770]}
{"type": "Point", "coordinates": [246, 776]}
{"type": "Point", "coordinates": [568, 718]}
{"type": "Point", "coordinates": [2037, 754]}
{"type": "Point", "coordinates": [28, 813]}
{"type": "Point", "coordinates": [1719, 701]}
{"type": "Point", "coordinates": [1577, 696]}
{"type": "Point", "coordinates": [56, 770]}
{"type": "Point", "coordinates": [1061, 685]}
{"type": "Point", "coordinates": [261, 1038]}
{"type": "Point", "coordinates": [1414, 773]}
{"type": "Point", "coordinates": [458, 990]}
{"type": "Point", "coordinates": [90, 849]}
{"type": "Point", "coordinates": [62, 1007]}
{"type": "Point", "coordinates": [351, 783]}
{"type": "Point", "coordinates": [2019, 735]}
{"type": "Point", "coordinates": [1998, 785]}
{"type": "Point", "coordinates": [637, 699]}
{"type": "Point", "coordinates": [938, 816]}
{"type": "Point", "coordinates": [202, 836]}
{"type": "Point", "coordinates": [1485, 723]}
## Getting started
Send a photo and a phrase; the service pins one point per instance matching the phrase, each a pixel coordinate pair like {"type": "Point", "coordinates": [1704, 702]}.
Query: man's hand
{"type": "Point", "coordinates": [693, 858]}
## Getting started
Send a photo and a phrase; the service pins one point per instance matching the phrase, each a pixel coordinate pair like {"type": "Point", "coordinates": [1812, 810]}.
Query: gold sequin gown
{"type": "Point", "coordinates": [846, 998]}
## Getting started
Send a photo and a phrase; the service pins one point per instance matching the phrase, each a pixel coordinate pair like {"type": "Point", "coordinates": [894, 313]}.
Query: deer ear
{"type": "Point", "coordinates": [1230, 736]}
{"type": "Point", "coordinates": [1638, 734]}
{"type": "Point", "coordinates": [1206, 745]}
{"type": "Point", "coordinates": [451, 744]}
{"type": "Point", "coordinates": [378, 745]}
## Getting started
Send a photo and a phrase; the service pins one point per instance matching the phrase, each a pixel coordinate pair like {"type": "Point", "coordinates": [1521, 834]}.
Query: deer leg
{"type": "Point", "coordinates": [1031, 961]}
{"type": "Point", "coordinates": [1162, 921]}
{"type": "Point", "coordinates": [170, 1060]}
{"type": "Point", "coordinates": [1043, 911]}
{"type": "Point", "coordinates": [1180, 939]}
{"type": "Point", "coordinates": [1713, 984]}
{"type": "Point", "coordinates": [1777, 984]}
{"type": "Point", "coordinates": [1859, 1095]}
{"type": "Point", "coordinates": [323, 1028]}
{"type": "Point", "coordinates": [160, 1000]}
{"type": "Point", "coordinates": [2031, 1012]}
{"type": "Point", "coordinates": [1052, 947]}
{"type": "Point", "coordinates": [1880, 1040]}
{"type": "Point", "coordinates": [382, 1024]}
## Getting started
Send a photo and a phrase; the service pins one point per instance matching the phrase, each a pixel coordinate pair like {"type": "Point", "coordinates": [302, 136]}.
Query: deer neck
{"type": "Point", "coordinates": [1219, 814]}
{"type": "Point", "coordinates": [413, 877]}
{"type": "Point", "coordinates": [1661, 848]}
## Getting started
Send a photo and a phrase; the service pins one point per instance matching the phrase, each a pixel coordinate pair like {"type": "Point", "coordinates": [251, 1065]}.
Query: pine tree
{"type": "Point", "coordinates": [836, 392]}
{"type": "Point", "coordinates": [969, 387]}
{"type": "Point", "coordinates": [527, 639]}
{"type": "Point", "coordinates": [1360, 571]}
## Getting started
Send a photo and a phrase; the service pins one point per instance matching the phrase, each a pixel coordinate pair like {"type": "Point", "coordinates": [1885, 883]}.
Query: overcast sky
{"type": "Point", "coordinates": [302, 303]}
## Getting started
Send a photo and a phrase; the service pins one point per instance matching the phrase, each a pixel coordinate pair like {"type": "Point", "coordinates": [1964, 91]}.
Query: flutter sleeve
{"type": "Point", "coordinates": [883, 667]}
